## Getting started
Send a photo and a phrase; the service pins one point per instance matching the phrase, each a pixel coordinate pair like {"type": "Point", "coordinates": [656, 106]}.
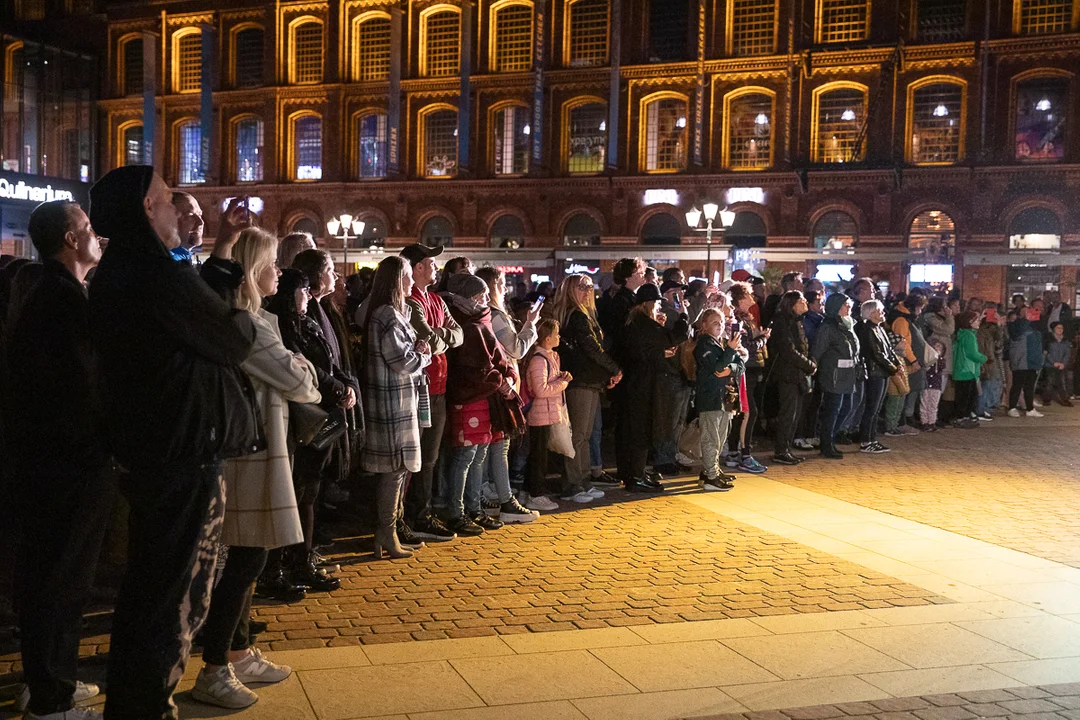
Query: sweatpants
{"type": "Point", "coordinates": [582, 407]}
{"type": "Point", "coordinates": [894, 411]}
{"type": "Point", "coordinates": [929, 401]}
{"type": "Point", "coordinates": [715, 425]}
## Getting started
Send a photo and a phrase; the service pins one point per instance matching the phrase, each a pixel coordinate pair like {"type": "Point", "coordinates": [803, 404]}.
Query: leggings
{"type": "Point", "coordinates": [230, 604]}
{"type": "Point", "coordinates": [1023, 380]}
{"type": "Point", "coordinates": [966, 394]}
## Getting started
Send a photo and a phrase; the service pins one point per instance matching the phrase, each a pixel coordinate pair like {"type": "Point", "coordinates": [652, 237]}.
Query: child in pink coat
{"type": "Point", "coordinates": [547, 382]}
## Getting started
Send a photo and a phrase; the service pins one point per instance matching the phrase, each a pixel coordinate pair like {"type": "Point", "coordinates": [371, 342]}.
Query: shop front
{"type": "Point", "coordinates": [19, 195]}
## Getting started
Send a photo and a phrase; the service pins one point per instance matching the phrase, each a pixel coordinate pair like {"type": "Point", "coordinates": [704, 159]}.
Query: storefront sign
{"type": "Point", "coordinates": [510, 269]}
{"type": "Point", "coordinates": [661, 197]}
{"type": "Point", "coordinates": [699, 91]}
{"type": "Point", "coordinates": [752, 195]}
{"type": "Point", "coordinates": [577, 268]}
{"type": "Point", "coordinates": [538, 83]}
{"type": "Point", "coordinates": [393, 103]}
{"type": "Point", "coordinates": [20, 190]}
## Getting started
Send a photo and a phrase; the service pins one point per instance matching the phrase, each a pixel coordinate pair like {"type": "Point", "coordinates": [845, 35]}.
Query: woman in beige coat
{"type": "Point", "coordinates": [260, 505]}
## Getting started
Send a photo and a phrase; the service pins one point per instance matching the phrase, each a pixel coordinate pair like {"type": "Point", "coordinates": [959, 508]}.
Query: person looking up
{"type": "Point", "coordinates": [189, 225]}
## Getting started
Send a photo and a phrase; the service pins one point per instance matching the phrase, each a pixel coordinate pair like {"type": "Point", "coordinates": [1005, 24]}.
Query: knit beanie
{"type": "Point", "coordinates": [465, 285]}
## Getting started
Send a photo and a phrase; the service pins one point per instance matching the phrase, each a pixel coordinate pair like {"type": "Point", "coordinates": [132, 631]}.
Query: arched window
{"type": "Point", "coordinates": [839, 114]}
{"type": "Point", "coordinates": [936, 128]}
{"type": "Point", "coordinates": [934, 232]}
{"type": "Point", "coordinates": [664, 134]}
{"type": "Point", "coordinates": [842, 21]}
{"type": "Point", "coordinates": [941, 21]}
{"type": "Point", "coordinates": [835, 230]}
{"type": "Point", "coordinates": [511, 36]}
{"type": "Point", "coordinates": [248, 57]}
{"type": "Point", "coordinates": [669, 31]}
{"type": "Point", "coordinates": [1045, 17]}
{"type": "Point", "coordinates": [510, 140]}
{"type": "Point", "coordinates": [1036, 228]}
{"type": "Point", "coordinates": [187, 60]}
{"type": "Point", "coordinates": [249, 150]}
{"type": "Point", "coordinates": [585, 126]}
{"type": "Point", "coordinates": [585, 35]}
{"type": "Point", "coordinates": [748, 130]}
{"type": "Point", "coordinates": [306, 147]}
{"type": "Point", "coordinates": [439, 143]}
{"type": "Point", "coordinates": [374, 235]}
{"type": "Point", "coordinates": [189, 153]}
{"type": "Point", "coordinates": [661, 229]}
{"type": "Point", "coordinates": [437, 232]}
{"type": "Point", "coordinates": [508, 232]}
{"type": "Point", "coordinates": [748, 231]}
{"type": "Point", "coordinates": [440, 41]}
{"type": "Point", "coordinates": [1041, 108]}
{"type": "Point", "coordinates": [581, 229]}
{"type": "Point", "coordinates": [132, 137]}
{"type": "Point", "coordinates": [307, 225]}
{"type": "Point", "coordinates": [751, 27]}
{"type": "Point", "coordinates": [371, 46]}
{"type": "Point", "coordinates": [371, 145]}
{"type": "Point", "coordinates": [131, 52]}
{"type": "Point", "coordinates": [306, 44]}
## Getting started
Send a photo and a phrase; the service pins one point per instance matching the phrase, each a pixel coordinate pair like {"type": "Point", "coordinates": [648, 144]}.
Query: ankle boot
{"type": "Point", "coordinates": [387, 492]}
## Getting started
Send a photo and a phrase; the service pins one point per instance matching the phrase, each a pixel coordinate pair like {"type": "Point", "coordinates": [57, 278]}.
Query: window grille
{"type": "Point", "coordinates": [513, 38]}
{"type": "Point", "coordinates": [666, 135]}
{"type": "Point", "coordinates": [753, 25]}
{"type": "Point", "coordinates": [749, 132]}
{"type": "Point", "coordinates": [840, 115]}
{"type": "Point", "coordinates": [1041, 108]}
{"type": "Point", "coordinates": [935, 118]}
{"type": "Point", "coordinates": [669, 31]}
{"type": "Point", "coordinates": [189, 62]}
{"type": "Point", "coordinates": [512, 141]}
{"type": "Point", "coordinates": [249, 151]}
{"type": "Point", "coordinates": [133, 67]}
{"type": "Point", "coordinates": [443, 44]}
{"type": "Point", "coordinates": [941, 21]}
{"type": "Point", "coordinates": [588, 139]}
{"type": "Point", "coordinates": [588, 33]}
{"type": "Point", "coordinates": [1045, 17]}
{"type": "Point", "coordinates": [440, 144]}
{"type": "Point", "coordinates": [372, 138]}
{"type": "Point", "coordinates": [190, 154]}
{"type": "Point", "coordinates": [133, 145]}
{"type": "Point", "coordinates": [372, 43]}
{"type": "Point", "coordinates": [308, 139]}
{"type": "Point", "coordinates": [308, 53]}
{"type": "Point", "coordinates": [843, 20]}
{"type": "Point", "coordinates": [249, 58]}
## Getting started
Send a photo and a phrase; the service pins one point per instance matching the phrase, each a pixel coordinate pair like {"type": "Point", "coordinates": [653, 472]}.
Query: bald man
{"type": "Point", "coordinates": [189, 225]}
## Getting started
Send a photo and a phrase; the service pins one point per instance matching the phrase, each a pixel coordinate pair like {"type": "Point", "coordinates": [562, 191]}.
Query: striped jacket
{"type": "Point", "coordinates": [392, 373]}
{"type": "Point", "coordinates": [260, 504]}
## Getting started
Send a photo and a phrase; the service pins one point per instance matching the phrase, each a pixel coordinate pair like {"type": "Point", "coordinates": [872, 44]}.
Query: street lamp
{"type": "Point", "coordinates": [693, 217]}
{"type": "Point", "coordinates": [348, 229]}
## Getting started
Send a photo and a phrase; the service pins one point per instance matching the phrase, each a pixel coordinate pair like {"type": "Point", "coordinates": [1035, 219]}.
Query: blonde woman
{"type": "Point", "coordinates": [260, 505]}
{"type": "Point", "coordinates": [582, 354]}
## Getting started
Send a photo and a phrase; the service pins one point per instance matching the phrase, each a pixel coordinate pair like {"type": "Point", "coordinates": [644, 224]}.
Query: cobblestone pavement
{"type": "Point", "coordinates": [1047, 702]}
{"type": "Point", "coordinates": [1011, 482]}
{"type": "Point", "coordinates": [655, 560]}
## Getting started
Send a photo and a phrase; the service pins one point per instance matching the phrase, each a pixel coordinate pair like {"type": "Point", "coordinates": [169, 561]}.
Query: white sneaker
{"type": "Point", "coordinates": [596, 493]}
{"type": "Point", "coordinates": [541, 503]}
{"type": "Point", "coordinates": [1037, 403]}
{"type": "Point", "coordinates": [489, 491]}
{"type": "Point", "coordinates": [683, 460]}
{"type": "Point", "coordinates": [257, 669]}
{"type": "Point", "coordinates": [83, 691]}
{"type": "Point", "coordinates": [221, 688]}
{"type": "Point", "coordinates": [1035, 413]}
{"type": "Point", "coordinates": [582, 497]}
{"type": "Point", "coordinates": [1014, 413]}
{"type": "Point", "coordinates": [75, 713]}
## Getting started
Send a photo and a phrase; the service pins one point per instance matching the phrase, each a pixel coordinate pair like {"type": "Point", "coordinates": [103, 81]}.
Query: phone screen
{"type": "Point", "coordinates": [539, 301]}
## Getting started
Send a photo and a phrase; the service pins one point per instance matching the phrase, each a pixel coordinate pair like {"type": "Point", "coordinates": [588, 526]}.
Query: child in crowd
{"type": "Point", "coordinates": [1057, 359]}
{"type": "Point", "coordinates": [547, 383]}
{"type": "Point", "coordinates": [930, 398]}
{"type": "Point", "coordinates": [719, 366]}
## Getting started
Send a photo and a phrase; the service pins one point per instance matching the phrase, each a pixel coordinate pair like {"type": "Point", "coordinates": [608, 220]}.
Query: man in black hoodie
{"type": "Point", "coordinates": [176, 404]}
{"type": "Point", "coordinates": [56, 454]}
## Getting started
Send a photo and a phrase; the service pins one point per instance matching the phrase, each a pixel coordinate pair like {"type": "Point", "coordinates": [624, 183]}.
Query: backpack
{"type": "Point", "coordinates": [687, 362]}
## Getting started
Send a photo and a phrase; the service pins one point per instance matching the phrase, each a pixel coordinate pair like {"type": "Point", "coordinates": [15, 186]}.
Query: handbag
{"type": "Point", "coordinates": [561, 439]}
{"type": "Point", "coordinates": [690, 440]}
{"type": "Point", "coordinates": [305, 421]}
{"type": "Point", "coordinates": [506, 414]}
{"type": "Point", "coordinates": [336, 425]}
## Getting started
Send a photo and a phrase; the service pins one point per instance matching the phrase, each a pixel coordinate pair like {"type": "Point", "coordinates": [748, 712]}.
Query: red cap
{"type": "Point", "coordinates": [741, 275]}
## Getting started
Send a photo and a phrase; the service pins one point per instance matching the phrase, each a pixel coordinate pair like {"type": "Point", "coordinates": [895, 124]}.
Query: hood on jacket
{"type": "Point", "coordinates": [1018, 327]}
{"type": "Point", "coordinates": [117, 211]}
{"type": "Point", "coordinates": [834, 303]}
{"type": "Point", "coordinates": [464, 310]}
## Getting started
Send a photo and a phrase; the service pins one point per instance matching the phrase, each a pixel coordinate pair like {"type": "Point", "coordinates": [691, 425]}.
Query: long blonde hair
{"type": "Point", "coordinates": [566, 301]}
{"type": "Point", "coordinates": [254, 250]}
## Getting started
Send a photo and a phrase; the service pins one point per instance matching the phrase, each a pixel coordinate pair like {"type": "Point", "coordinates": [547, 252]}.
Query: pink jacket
{"type": "Point", "coordinates": [548, 403]}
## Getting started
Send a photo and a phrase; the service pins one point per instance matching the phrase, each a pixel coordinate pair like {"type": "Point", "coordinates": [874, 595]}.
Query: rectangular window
{"type": "Point", "coordinates": [669, 31]}
{"type": "Point", "coordinates": [753, 24]}
{"type": "Point", "coordinates": [372, 147]}
{"type": "Point", "coordinates": [512, 141]}
{"type": "Point", "coordinates": [514, 38]}
{"type": "Point", "coordinates": [1044, 17]}
{"type": "Point", "coordinates": [935, 118]}
{"type": "Point", "coordinates": [133, 145]}
{"type": "Point", "coordinates": [443, 44]}
{"type": "Point", "coordinates": [249, 151]}
{"type": "Point", "coordinates": [841, 114]}
{"type": "Point", "coordinates": [308, 148]}
{"type": "Point", "coordinates": [189, 149]}
{"type": "Point", "coordinates": [133, 67]}
{"type": "Point", "coordinates": [249, 58]}
{"type": "Point", "coordinates": [373, 49]}
{"type": "Point", "coordinates": [588, 33]}
{"type": "Point", "coordinates": [1041, 107]}
{"type": "Point", "coordinates": [666, 135]}
{"type": "Point", "coordinates": [843, 20]}
{"type": "Point", "coordinates": [189, 63]}
{"type": "Point", "coordinates": [588, 139]}
{"type": "Point", "coordinates": [941, 21]}
{"type": "Point", "coordinates": [308, 53]}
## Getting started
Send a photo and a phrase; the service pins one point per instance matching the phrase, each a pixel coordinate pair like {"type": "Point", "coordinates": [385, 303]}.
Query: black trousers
{"type": "Point", "coordinates": [965, 396]}
{"type": "Point", "coordinates": [419, 490]}
{"type": "Point", "coordinates": [787, 419]}
{"type": "Point", "coordinates": [1055, 387]}
{"type": "Point", "coordinates": [63, 519]}
{"type": "Point", "coordinates": [1023, 380]}
{"type": "Point", "coordinates": [624, 432]}
{"type": "Point", "coordinates": [230, 607]}
{"type": "Point", "coordinates": [536, 482]}
{"type": "Point", "coordinates": [174, 526]}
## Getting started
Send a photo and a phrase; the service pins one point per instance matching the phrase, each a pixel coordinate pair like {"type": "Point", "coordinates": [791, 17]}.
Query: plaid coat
{"type": "Point", "coordinates": [392, 373]}
{"type": "Point", "coordinates": [260, 504]}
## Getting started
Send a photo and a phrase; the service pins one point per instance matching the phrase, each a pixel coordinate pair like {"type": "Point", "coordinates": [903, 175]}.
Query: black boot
{"type": "Point", "coordinates": [275, 586]}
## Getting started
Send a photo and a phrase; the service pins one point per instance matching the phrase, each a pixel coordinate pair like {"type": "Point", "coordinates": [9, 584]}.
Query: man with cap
{"type": "Point", "coordinates": [176, 402]}
{"type": "Point", "coordinates": [432, 322]}
{"type": "Point", "coordinates": [56, 451]}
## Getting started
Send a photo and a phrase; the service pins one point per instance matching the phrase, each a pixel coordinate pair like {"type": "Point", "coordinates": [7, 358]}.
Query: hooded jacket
{"type": "Point", "coordinates": [169, 347]}
{"type": "Point", "coordinates": [836, 351]}
{"type": "Point", "coordinates": [478, 366]}
{"type": "Point", "coordinates": [1025, 345]}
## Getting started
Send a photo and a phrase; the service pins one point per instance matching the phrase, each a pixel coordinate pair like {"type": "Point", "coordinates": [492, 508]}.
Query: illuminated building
{"type": "Point", "coordinates": [843, 132]}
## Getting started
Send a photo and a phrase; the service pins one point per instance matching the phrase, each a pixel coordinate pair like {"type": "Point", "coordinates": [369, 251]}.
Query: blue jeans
{"type": "Point", "coordinates": [875, 396]}
{"type": "Point", "coordinates": [497, 468]}
{"type": "Point", "coordinates": [596, 456]}
{"type": "Point", "coordinates": [465, 479]}
{"type": "Point", "coordinates": [990, 397]}
{"type": "Point", "coordinates": [834, 406]}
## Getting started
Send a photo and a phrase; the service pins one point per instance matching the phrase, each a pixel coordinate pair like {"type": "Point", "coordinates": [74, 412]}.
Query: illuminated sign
{"type": "Point", "coordinates": [661, 197]}
{"type": "Point", "coordinates": [511, 269]}
{"type": "Point", "coordinates": [931, 273]}
{"type": "Point", "coordinates": [255, 204]}
{"type": "Point", "coordinates": [835, 273]}
{"type": "Point", "coordinates": [738, 195]}
{"type": "Point", "coordinates": [32, 193]}
{"type": "Point", "coordinates": [578, 268]}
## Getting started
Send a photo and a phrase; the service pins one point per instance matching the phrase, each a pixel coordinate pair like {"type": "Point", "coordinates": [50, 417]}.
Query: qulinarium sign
{"type": "Point", "coordinates": [32, 193]}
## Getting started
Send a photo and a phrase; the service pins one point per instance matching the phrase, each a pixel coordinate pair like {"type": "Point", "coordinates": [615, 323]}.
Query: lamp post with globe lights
{"type": "Point", "coordinates": [711, 210]}
{"type": "Point", "coordinates": [348, 229]}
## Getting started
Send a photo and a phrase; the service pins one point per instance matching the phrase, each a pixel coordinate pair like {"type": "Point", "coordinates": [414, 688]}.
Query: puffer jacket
{"type": "Point", "coordinates": [548, 403]}
{"type": "Point", "coordinates": [836, 351]}
{"type": "Point", "coordinates": [879, 358]}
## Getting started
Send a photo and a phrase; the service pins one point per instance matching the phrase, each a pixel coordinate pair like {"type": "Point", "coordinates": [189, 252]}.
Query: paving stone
{"type": "Point", "coordinates": [952, 712]}
{"type": "Point", "coordinates": [900, 705]}
{"type": "Point", "coordinates": [986, 710]}
{"type": "Point", "coordinates": [986, 696]}
{"type": "Point", "coordinates": [1025, 707]}
{"type": "Point", "coordinates": [817, 712]}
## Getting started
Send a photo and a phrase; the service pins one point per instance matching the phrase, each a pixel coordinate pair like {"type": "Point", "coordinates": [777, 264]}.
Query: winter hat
{"type": "Point", "coordinates": [834, 303]}
{"type": "Point", "coordinates": [466, 285]}
{"type": "Point", "coordinates": [647, 293]}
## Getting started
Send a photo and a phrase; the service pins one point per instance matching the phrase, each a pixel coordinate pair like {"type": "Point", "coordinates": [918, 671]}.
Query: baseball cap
{"type": "Point", "coordinates": [741, 275]}
{"type": "Point", "coordinates": [416, 252]}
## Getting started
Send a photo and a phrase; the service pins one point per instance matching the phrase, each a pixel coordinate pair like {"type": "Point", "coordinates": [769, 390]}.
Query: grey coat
{"type": "Point", "coordinates": [836, 350]}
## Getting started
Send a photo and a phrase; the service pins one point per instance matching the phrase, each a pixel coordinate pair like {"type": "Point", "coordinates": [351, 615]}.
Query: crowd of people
{"type": "Point", "coordinates": [234, 399]}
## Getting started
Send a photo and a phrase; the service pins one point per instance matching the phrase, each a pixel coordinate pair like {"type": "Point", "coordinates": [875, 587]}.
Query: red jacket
{"type": "Point", "coordinates": [478, 367]}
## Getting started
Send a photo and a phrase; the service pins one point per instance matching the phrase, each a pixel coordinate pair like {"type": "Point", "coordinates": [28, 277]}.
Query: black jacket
{"type": "Point", "coordinates": [52, 409]}
{"type": "Point", "coordinates": [169, 347]}
{"type": "Point", "coordinates": [581, 353]}
{"type": "Point", "coordinates": [789, 355]}
{"type": "Point", "coordinates": [612, 311]}
{"type": "Point", "coordinates": [645, 394]}
{"type": "Point", "coordinates": [878, 356]}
